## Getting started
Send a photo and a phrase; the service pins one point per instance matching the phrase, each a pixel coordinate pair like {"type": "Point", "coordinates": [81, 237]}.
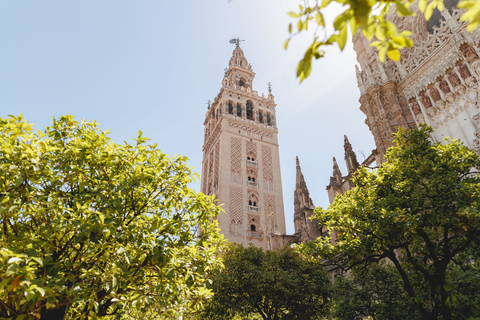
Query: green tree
{"type": "Point", "coordinates": [420, 210]}
{"type": "Point", "coordinates": [268, 284]}
{"type": "Point", "coordinates": [368, 17]}
{"type": "Point", "coordinates": [90, 228]}
{"type": "Point", "coordinates": [374, 292]}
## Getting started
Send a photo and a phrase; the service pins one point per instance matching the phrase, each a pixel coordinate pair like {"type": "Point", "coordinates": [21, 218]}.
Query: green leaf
{"type": "Point", "coordinates": [382, 53]}
{"type": "Point", "coordinates": [429, 11]}
{"type": "Point", "coordinates": [319, 19]}
{"type": "Point", "coordinates": [394, 54]}
{"type": "Point", "coordinates": [402, 10]}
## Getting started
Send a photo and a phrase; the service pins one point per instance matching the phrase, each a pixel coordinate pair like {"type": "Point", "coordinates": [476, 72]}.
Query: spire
{"type": "Point", "coordinates": [301, 194]}
{"type": "Point", "coordinates": [337, 174]}
{"type": "Point", "coordinates": [239, 74]}
{"type": "Point", "coordinates": [299, 180]}
{"type": "Point", "coordinates": [350, 157]}
{"type": "Point", "coordinates": [238, 60]}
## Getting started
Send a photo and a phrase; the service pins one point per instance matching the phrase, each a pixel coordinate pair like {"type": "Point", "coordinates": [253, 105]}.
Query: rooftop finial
{"type": "Point", "coordinates": [236, 41]}
{"type": "Point", "coordinates": [209, 103]}
{"type": "Point", "coordinates": [269, 87]}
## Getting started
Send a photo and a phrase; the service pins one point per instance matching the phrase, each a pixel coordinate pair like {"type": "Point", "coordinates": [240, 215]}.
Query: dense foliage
{"type": "Point", "coordinates": [369, 17]}
{"type": "Point", "coordinates": [90, 228]}
{"type": "Point", "coordinates": [420, 210]}
{"type": "Point", "coordinates": [271, 284]}
{"type": "Point", "coordinates": [374, 293]}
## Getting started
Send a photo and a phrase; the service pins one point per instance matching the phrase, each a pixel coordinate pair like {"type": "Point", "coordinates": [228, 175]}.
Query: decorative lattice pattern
{"type": "Point", "coordinates": [215, 166]}
{"type": "Point", "coordinates": [251, 147]}
{"type": "Point", "coordinates": [236, 204]}
{"type": "Point", "coordinates": [204, 176]}
{"type": "Point", "coordinates": [236, 155]}
{"type": "Point", "coordinates": [270, 205]}
{"type": "Point", "coordinates": [267, 163]}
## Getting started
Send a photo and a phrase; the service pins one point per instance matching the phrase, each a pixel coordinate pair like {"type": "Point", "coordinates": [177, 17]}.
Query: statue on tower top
{"type": "Point", "coordinates": [236, 41]}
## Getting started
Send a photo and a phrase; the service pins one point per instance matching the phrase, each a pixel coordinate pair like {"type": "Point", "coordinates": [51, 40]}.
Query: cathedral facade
{"type": "Point", "coordinates": [436, 82]}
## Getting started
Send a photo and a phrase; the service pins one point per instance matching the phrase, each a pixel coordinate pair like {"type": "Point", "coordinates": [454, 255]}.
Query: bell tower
{"type": "Point", "coordinates": [241, 163]}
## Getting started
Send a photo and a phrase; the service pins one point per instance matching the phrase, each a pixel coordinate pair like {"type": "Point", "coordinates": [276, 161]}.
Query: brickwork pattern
{"type": "Point", "coordinates": [251, 147]}
{"type": "Point", "coordinates": [215, 166]}
{"type": "Point", "coordinates": [236, 204]}
{"type": "Point", "coordinates": [236, 155]}
{"type": "Point", "coordinates": [270, 205]}
{"type": "Point", "coordinates": [204, 176]}
{"type": "Point", "coordinates": [267, 163]}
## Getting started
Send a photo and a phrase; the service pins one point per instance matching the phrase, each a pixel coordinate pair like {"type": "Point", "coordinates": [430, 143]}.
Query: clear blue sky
{"type": "Point", "coordinates": [152, 65]}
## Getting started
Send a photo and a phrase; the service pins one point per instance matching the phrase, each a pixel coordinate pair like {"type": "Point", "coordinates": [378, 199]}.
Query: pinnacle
{"type": "Point", "coordinates": [299, 176]}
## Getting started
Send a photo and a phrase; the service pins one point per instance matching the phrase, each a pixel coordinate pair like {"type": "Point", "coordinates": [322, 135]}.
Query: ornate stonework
{"type": "Point", "coordinates": [438, 77]}
{"type": "Point", "coordinates": [241, 164]}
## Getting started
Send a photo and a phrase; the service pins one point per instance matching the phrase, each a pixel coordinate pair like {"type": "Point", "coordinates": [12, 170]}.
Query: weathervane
{"type": "Point", "coordinates": [209, 103]}
{"type": "Point", "coordinates": [236, 41]}
{"type": "Point", "coordinates": [269, 87]}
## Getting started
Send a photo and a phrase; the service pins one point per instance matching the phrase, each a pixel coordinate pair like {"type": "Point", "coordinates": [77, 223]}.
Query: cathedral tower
{"type": "Point", "coordinates": [241, 164]}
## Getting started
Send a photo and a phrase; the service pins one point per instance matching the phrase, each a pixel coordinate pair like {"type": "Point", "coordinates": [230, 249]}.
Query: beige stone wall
{"type": "Point", "coordinates": [241, 163]}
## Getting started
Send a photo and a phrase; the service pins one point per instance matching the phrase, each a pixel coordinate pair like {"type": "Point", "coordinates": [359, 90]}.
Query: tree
{"type": "Point", "coordinates": [419, 210]}
{"type": "Point", "coordinates": [369, 17]}
{"type": "Point", "coordinates": [90, 228]}
{"type": "Point", "coordinates": [374, 292]}
{"type": "Point", "coordinates": [272, 285]}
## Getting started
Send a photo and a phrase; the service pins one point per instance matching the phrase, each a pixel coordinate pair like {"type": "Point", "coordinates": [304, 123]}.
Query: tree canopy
{"type": "Point", "coordinates": [373, 293]}
{"type": "Point", "coordinates": [271, 284]}
{"type": "Point", "coordinates": [91, 228]}
{"type": "Point", "coordinates": [368, 17]}
{"type": "Point", "coordinates": [419, 210]}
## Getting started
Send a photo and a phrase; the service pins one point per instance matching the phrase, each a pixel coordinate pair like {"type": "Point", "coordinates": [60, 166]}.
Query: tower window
{"type": "Point", "coordinates": [239, 110]}
{"type": "Point", "coordinates": [249, 110]}
{"type": "Point", "coordinates": [260, 116]}
{"type": "Point", "coordinates": [230, 108]}
{"type": "Point", "coordinates": [252, 228]}
{"type": "Point", "coordinates": [269, 120]}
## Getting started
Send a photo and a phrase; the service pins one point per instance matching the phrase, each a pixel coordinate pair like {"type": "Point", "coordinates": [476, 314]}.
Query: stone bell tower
{"type": "Point", "coordinates": [241, 164]}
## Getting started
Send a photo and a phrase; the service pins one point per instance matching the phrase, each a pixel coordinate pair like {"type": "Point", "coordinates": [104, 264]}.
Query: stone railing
{"type": "Point", "coordinates": [252, 184]}
{"type": "Point", "coordinates": [254, 234]}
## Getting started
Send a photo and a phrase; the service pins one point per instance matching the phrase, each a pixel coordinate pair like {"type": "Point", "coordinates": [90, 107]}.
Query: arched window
{"type": "Point", "coordinates": [269, 119]}
{"type": "Point", "coordinates": [242, 82]}
{"type": "Point", "coordinates": [239, 110]}
{"type": "Point", "coordinates": [253, 228]}
{"type": "Point", "coordinates": [252, 176]}
{"type": "Point", "coordinates": [260, 116]}
{"type": "Point", "coordinates": [252, 202]}
{"type": "Point", "coordinates": [230, 107]}
{"type": "Point", "coordinates": [249, 110]}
